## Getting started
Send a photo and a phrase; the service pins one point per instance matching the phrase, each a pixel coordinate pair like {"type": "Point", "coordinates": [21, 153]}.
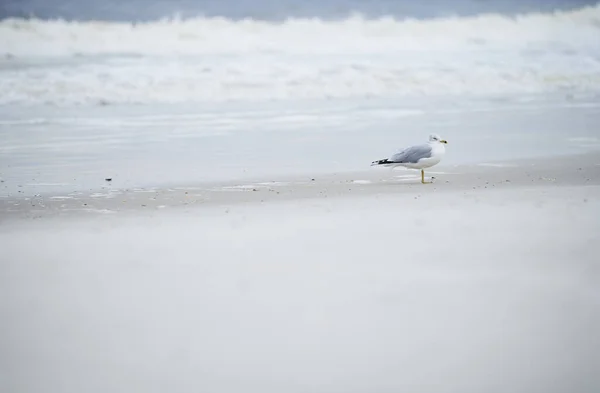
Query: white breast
{"type": "Point", "coordinates": [437, 153]}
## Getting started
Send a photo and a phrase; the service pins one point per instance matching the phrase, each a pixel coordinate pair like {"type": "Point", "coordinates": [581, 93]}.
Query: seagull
{"type": "Point", "coordinates": [417, 157]}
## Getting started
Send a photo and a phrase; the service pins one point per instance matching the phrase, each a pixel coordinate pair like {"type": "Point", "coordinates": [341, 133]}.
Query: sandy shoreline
{"type": "Point", "coordinates": [187, 206]}
{"type": "Point", "coordinates": [578, 170]}
{"type": "Point", "coordinates": [486, 281]}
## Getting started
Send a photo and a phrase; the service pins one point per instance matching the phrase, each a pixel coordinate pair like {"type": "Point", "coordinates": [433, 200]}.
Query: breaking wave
{"type": "Point", "coordinates": [212, 59]}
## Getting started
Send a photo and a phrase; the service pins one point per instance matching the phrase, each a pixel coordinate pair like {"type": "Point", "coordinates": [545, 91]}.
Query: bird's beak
{"type": "Point", "coordinates": [444, 141]}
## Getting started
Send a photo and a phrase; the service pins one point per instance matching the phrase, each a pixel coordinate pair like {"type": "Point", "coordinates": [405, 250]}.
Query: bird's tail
{"type": "Point", "coordinates": [381, 162]}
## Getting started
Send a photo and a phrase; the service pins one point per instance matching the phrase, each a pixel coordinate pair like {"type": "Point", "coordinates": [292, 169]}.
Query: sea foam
{"type": "Point", "coordinates": [216, 59]}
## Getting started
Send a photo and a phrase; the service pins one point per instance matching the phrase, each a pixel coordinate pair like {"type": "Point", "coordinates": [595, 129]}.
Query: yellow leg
{"type": "Point", "coordinates": [423, 177]}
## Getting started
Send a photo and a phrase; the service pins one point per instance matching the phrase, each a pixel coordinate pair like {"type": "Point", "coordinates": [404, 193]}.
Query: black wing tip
{"type": "Point", "coordinates": [381, 162]}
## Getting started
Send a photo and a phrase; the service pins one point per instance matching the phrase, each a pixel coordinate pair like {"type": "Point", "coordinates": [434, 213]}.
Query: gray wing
{"type": "Point", "coordinates": [412, 154]}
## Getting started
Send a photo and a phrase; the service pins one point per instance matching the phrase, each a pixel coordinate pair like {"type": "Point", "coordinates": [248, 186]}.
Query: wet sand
{"type": "Point", "coordinates": [480, 180]}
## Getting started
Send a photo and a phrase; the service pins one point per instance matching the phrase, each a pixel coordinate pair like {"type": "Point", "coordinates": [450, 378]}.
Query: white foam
{"type": "Point", "coordinates": [273, 183]}
{"type": "Point", "coordinates": [215, 59]}
{"type": "Point", "coordinates": [252, 187]}
{"type": "Point", "coordinates": [101, 211]}
{"type": "Point", "coordinates": [102, 195]}
{"type": "Point", "coordinates": [242, 187]}
{"type": "Point", "coordinates": [207, 36]}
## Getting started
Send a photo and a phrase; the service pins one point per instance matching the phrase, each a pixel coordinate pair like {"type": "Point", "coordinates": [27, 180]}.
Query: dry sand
{"type": "Point", "coordinates": [485, 281]}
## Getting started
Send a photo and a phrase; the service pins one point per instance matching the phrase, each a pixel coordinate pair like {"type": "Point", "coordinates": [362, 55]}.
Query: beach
{"type": "Point", "coordinates": [476, 180]}
{"type": "Point", "coordinates": [281, 261]}
{"type": "Point", "coordinates": [485, 280]}
{"type": "Point", "coordinates": [187, 202]}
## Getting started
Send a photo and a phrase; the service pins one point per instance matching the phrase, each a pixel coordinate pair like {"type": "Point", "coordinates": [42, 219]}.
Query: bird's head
{"type": "Point", "coordinates": [435, 138]}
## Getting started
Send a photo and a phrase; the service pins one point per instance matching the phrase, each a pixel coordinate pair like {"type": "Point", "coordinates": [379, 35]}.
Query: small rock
{"type": "Point", "coordinates": [108, 179]}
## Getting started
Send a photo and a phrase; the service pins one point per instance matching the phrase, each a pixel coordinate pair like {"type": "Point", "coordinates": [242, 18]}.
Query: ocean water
{"type": "Point", "coordinates": [138, 10]}
{"type": "Point", "coordinates": [244, 87]}
{"type": "Point", "coordinates": [220, 59]}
